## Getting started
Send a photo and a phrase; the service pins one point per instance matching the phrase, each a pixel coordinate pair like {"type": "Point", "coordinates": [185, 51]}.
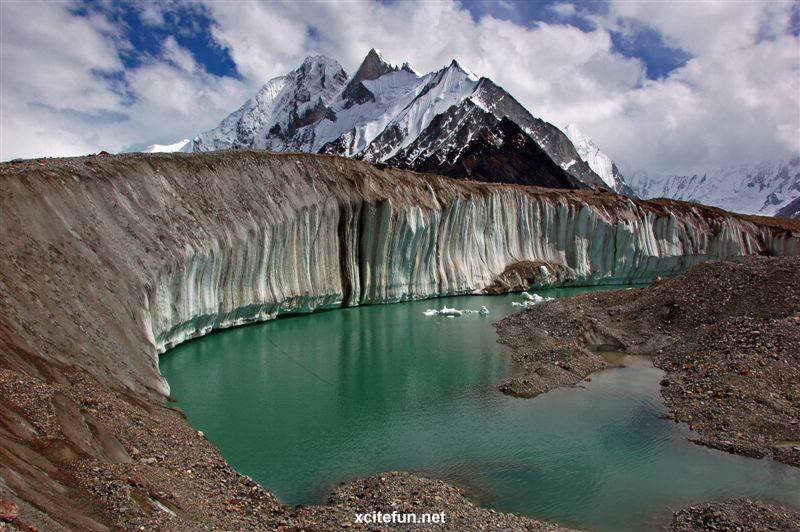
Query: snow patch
{"type": "Point", "coordinates": [590, 153]}
{"type": "Point", "coordinates": [180, 146]}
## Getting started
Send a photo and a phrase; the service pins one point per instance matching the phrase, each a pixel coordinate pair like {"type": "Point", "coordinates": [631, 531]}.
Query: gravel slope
{"type": "Point", "coordinates": [726, 332]}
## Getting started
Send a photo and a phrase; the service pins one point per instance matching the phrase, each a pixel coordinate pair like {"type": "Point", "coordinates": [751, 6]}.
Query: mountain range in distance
{"type": "Point", "coordinates": [454, 123]}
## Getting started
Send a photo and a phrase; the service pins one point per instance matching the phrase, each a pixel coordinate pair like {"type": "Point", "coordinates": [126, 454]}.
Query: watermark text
{"type": "Point", "coordinates": [398, 517]}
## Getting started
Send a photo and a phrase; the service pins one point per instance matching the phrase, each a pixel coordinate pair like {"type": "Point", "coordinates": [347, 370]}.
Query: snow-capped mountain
{"type": "Point", "coordinates": [184, 145]}
{"type": "Point", "coordinates": [279, 116]}
{"type": "Point", "coordinates": [385, 113]}
{"type": "Point", "coordinates": [596, 159]}
{"type": "Point", "coordinates": [770, 188]}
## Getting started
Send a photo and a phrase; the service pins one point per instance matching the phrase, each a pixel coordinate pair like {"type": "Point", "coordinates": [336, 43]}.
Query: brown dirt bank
{"type": "Point", "coordinates": [737, 515]}
{"type": "Point", "coordinates": [726, 332]}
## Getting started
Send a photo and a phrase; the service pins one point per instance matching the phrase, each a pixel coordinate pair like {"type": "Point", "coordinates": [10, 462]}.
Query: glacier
{"type": "Point", "coordinates": [140, 252]}
{"type": "Point", "coordinates": [337, 250]}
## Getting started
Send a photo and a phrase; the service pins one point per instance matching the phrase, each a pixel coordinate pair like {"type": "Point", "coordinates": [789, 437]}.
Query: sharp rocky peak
{"type": "Point", "coordinates": [408, 68]}
{"type": "Point", "coordinates": [455, 65]}
{"type": "Point", "coordinates": [373, 67]}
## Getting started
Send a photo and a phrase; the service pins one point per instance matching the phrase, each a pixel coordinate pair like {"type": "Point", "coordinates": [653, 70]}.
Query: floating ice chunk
{"type": "Point", "coordinates": [454, 312]}
{"type": "Point", "coordinates": [530, 299]}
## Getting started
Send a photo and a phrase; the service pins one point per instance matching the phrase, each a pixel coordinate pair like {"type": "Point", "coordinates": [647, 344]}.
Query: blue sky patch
{"type": "Point", "coordinates": [528, 14]}
{"type": "Point", "coordinates": [146, 26]}
{"type": "Point", "coordinates": [647, 45]}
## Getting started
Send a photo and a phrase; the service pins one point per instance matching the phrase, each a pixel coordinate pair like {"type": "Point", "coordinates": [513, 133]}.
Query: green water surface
{"type": "Point", "coordinates": [305, 402]}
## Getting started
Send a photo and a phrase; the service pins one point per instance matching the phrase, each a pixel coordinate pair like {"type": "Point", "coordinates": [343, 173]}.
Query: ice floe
{"type": "Point", "coordinates": [454, 312]}
{"type": "Point", "coordinates": [530, 300]}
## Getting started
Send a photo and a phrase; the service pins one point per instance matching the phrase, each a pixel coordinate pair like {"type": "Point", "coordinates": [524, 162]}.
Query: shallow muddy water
{"type": "Point", "coordinates": [305, 402]}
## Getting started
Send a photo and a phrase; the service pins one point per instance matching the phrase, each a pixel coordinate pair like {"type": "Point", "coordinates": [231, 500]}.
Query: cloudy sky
{"type": "Point", "coordinates": [666, 87]}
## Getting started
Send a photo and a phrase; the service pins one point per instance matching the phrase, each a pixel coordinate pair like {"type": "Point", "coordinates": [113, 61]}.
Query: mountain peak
{"type": "Point", "coordinates": [319, 67]}
{"type": "Point", "coordinates": [320, 74]}
{"type": "Point", "coordinates": [408, 68]}
{"type": "Point", "coordinates": [319, 60]}
{"type": "Point", "coordinates": [373, 67]}
{"type": "Point", "coordinates": [455, 65]}
{"type": "Point", "coordinates": [375, 54]}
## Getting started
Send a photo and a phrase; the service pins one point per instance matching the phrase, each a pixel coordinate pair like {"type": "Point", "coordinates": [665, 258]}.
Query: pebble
{"type": "Point", "coordinates": [9, 510]}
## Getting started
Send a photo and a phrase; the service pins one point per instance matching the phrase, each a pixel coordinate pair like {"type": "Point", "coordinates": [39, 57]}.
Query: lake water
{"type": "Point", "coordinates": [305, 402]}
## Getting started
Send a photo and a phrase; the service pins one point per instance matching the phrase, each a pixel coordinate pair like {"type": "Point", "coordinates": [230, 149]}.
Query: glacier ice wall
{"type": "Point", "coordinates": [390, 249]}
{"type": "Point", "coordinates": [108, 261]}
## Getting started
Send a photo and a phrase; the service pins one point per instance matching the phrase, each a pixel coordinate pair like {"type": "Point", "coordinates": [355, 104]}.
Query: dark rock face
{"type": "Point", "coordinates": [355, 94]}
{"type": "Point", "coordinates": [492, 137]}
{"type": "Point", "coordinates": [483, 148]}
{"type": "Point", "coordinates": [448, 134]}
{"type": "Point", "coordinates": [371, 68]}
{"type": "Point", "coordinates": [551, 139]}
{"type": "Point", "coordinates": [791, 210]}
{"type": "Point", "coordinates": [383, 145]}
{"type": "Point", "coordinates": [343, 144]}
{"type": "Point", "coordinates": [505, 154]}
{"type": "Point", "coordinates": [314, 115]}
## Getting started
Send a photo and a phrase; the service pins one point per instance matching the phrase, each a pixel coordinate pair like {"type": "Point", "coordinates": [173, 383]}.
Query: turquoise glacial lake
{"type": "Point", "coordinates": [305, 402]}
